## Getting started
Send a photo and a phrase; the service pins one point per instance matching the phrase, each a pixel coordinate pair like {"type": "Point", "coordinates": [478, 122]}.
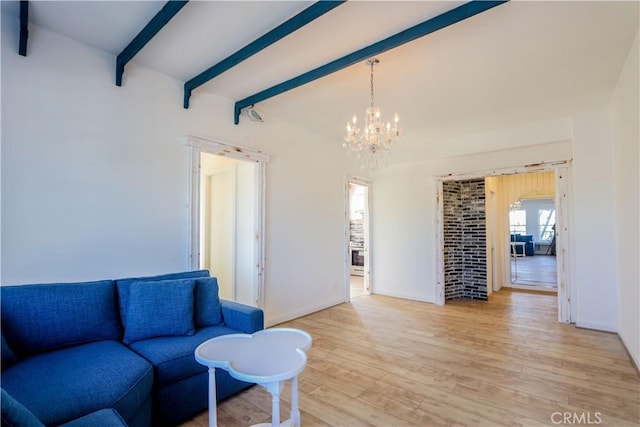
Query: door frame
{"type": "Point", "coordinates": [561, 170]}
{"type": "Point", "coordinates": [198, 145]}
{"type": "Point", "coordinates": [365, 182]}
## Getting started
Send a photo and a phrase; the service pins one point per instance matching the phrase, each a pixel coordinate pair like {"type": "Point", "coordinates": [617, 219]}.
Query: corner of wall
{"type": "Point", "coordinates": [625, 133]}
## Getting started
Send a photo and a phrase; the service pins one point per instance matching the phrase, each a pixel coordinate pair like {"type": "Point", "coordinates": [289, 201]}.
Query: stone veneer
{"type": "Point", "coordinates": [465, 241]}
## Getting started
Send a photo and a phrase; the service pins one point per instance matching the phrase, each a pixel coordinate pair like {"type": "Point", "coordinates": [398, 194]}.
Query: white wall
{"type": "Point", "coordinates": [94, 184]}
{"type": "Point", "coordinates": [94, 176]}
{"type": "Point", "coordinates": [404, 210]}
{"type": "Point", "coordinates": [404, 206]}
{"type": "Point", "coordinates": [626, 162]}
{"type": "Point", "coordinates": [305, 225]}
{"type": "Point", "coordinates": [594, 231]}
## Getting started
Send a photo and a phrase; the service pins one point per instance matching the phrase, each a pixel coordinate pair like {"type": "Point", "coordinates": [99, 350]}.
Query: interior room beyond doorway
{"type": "Point", "coordinates": [228, 226]}
{"type": "Point", "coordinates": [358, 239]}
{"type": "Point", "coordinates": [532, 233]}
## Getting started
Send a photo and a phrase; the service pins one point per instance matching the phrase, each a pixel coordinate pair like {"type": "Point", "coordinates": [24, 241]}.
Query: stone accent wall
{"type": "Point", "coordinates": [465, 241]}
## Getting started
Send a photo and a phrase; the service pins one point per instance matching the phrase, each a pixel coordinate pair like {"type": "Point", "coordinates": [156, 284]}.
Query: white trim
{"type": "Point", "coordinates": [540, 288]}
{"type": "Point", "coordinates": [597, 326]}
{"type": "Point", "coordinates": [193, 206]}
{"type": "Point", "coordinates": [228, 150]}
{"type": "Point", "coordinates": [197, 146]}
{"type": "Point", "coordinates": [562, 244]}
{"type": "Point", "coordinates": [294, 314]}
{"type": "Point", "coordinates": [535, 167]}
{"type": "Point", "coordinates": [261, 186]}
{"type": "Point", "coordinates": [561, 170]}
{"type": "Point", "coordinates": [440, 242]}
{"type": "Point", "coordinates": [359, 180]}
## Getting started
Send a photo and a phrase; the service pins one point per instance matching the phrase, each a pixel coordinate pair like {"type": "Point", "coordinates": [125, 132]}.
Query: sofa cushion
{"type": "Point", "coordinates": [62, 385]}
{"type": "Point", "coordinates": [173, 357]}
{"type": "Point", "coordinates": [208, 310]}
{"type": "Point", "coordinates": [37, 318]}
{"type": "Point", "coordinates": [101, 418]}
{"type": "Point", "coordinates": [159, 309]}
{"type": "Point", "coordinates": [8, 357]}
{"type": "Point", "coordinates": [124, 284]}
{"type": "Point", "coordinates": [14, 414]}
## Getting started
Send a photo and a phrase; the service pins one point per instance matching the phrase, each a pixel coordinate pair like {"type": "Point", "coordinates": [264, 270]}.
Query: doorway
{"type": "Point", "coordinates": [357, 237]}
{"type": "Point", "coordinates": [496, 246]}
{"type": "Point", "coordinates": [227, 224]}
{"type": "Point", "coordinates": [226, 220]}
{"type": "Point", "coordinates": [532, 225]}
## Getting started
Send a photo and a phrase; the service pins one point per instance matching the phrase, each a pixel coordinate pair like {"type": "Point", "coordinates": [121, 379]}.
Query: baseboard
{"type": "Point", "coordinates": [412, 297]}
{"type": "Point", "coordinates": [597, 326]}
{"type": "Point", "coordinates": [285, 317]}
{"type": "Point", "coordinates": [633, 362]}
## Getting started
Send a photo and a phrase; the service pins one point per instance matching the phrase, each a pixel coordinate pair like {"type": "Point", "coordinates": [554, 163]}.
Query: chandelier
{"type": "Point", "coordinates": [372, 143]}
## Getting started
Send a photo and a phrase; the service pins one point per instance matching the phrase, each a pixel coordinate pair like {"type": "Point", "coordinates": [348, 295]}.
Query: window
{"type": "Point", "coordinates": [547, 224]}
{"type": "Point", "coordinates": [518, 221]}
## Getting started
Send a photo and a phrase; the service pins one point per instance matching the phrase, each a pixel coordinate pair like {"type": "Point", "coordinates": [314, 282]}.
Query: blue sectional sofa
{"type": "Point", "coordinates": [114, 351]}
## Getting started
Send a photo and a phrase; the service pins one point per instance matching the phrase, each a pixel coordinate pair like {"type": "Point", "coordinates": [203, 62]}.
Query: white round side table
{"type": "Point", "coordinates": [267, 358]}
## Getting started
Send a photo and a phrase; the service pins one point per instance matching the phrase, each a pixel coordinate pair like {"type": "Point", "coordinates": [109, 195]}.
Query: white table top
{"type": "Point", "coordinates": [267, 356]}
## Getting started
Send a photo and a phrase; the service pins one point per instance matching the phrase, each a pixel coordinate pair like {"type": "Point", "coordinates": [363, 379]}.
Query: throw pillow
{"type": "Point", "coordinates": [123, 285]}
{"type": "Point", "coordinates": [208, 309]}
{"type": "Point", "coordinates": [156, 309]}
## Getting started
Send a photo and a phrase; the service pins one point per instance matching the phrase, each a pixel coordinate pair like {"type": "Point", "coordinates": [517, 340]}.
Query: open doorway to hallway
{"type": "Point", "coordinates": [357, 237]}
{"type": "Point", "coordinates": [228, 225]}
{"type": "Point", "coordinates": [226, 202]}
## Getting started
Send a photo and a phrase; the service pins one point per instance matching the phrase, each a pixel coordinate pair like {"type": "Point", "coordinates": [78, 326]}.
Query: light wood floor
{"type": "Point", "coordinates": [381, 361]}
{"type": "Point", "coordinates": [536, 271]}
{"type": "Point", "coordinates": [356, 286]}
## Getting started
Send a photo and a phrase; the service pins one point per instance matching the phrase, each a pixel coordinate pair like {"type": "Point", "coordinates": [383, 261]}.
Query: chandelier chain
{"type": "Point", "coordinates": [372, 64]}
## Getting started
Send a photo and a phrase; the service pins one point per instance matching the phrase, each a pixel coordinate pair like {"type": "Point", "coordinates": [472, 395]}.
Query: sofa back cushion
{"type": "Point", "coordinates": [208, 310]}
{"type": "Point", "coordinates": [37, 318]}
{"type": "Point", "coordinates": [8, 357]}
{"type": "Point", "coordinates": [124, 285]}
{"type": "Point", "coordinates": [156, 309]}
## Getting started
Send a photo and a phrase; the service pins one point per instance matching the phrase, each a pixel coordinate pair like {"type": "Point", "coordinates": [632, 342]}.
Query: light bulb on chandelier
{"type": "Point", "coordinates": [371, 144]}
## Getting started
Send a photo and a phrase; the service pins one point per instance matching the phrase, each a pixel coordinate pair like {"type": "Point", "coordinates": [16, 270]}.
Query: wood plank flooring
{"type": "Point", "coordinates": [381, 361]}
{"type": "Point", "coordinates": [356, 286]}
{"type": "Point", "coordinates": [537, 271]}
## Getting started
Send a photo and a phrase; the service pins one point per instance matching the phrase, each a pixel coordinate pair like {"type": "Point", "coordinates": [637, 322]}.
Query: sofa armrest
{"type": "Point", "coordinates": [242, 317]}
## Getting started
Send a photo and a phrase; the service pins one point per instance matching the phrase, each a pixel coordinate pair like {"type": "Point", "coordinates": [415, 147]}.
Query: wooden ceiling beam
{"type": "Point", "coordinates": [168, 11]}
{"type": "Point", "coordinates": [429, 26]}
{"type": "Point", "coordinates": [298, 21]}
{"type": "Point", "coordinates": [24, 27]}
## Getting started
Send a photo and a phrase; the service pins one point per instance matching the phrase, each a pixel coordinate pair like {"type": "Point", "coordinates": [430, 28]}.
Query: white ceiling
{"type": "Point", "coordinates": [518, 61]}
